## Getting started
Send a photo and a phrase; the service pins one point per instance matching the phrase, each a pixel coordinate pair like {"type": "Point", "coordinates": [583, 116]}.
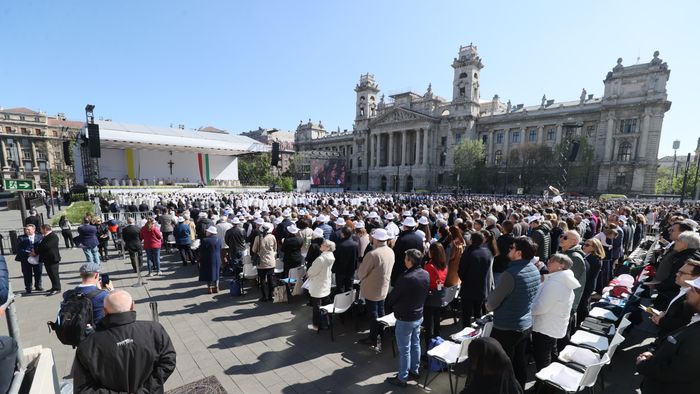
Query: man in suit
{"type": "Point", "coordinates": [678, 313]}
{"type": "Point", "coordinates": [32, 219]}
{"type": "Point", "coordinates": [132, 243]}
{"type": "Point", "coordinates": [47, 250]}
{"type": "Point", "coordinates": [31, 266]}
{"type": "Point", "coordinates": [345, 260]}
{"type": "Point", "coordinates": [672, 367]}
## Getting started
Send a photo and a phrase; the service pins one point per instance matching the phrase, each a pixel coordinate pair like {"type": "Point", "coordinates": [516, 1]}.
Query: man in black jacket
{"type": "Point", "coordinates": [132, 243]}
{"type": "Point", "coordinates": [406, 300]}
{"type": "Point", "coordinates": [408, 239]}
{"type": "Point", "coordinates": [345, 260]}
{"type": "Point", "coordinates": [48, 253]}
{"type": "Point", "coordinates": [678, 313]}
{"type": "Point", "coordinates": [135, 356]}
{"type": "Point", "coordinates": [474, 270]}
{"type": "Point", "coordinates": [672, 367]}
{"type": "Point", "coordinates": [687, 246]}
{"type": "Point", "coordinates": [235, 239]}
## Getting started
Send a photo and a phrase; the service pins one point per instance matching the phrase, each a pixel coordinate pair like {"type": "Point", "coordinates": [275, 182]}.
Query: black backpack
{"type": "Point", "coordinates": [74, 321]}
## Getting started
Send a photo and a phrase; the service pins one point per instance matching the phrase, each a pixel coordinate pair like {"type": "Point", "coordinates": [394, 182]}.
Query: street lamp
{"type": "Point", "coordinates": [676, 145]}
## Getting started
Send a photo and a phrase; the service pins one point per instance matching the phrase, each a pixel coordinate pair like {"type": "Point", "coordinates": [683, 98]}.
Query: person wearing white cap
{"type": "Point", "coordinates": [291, 249]}
{"type": "Point", "coordinates": [672, 367]}
{"type": "Point", "coordinates": [235, 240]}
{"type": "Point", "coordinates": [374, 274]}
{"type": "Point", "coordinates": [210, 260]}
{"type": "Point", "coordinates": [265, 249]}
{"type": "Point", "coordinates": [222, 226]}
{"type": "Point", "coordinates": [315, 247]}
{"type": "Point", "coordinates": [324, 226]}
{"type": "Point", "coordinates": [183, 240]}
{"type": "Point", "coordinates": [408, 239]}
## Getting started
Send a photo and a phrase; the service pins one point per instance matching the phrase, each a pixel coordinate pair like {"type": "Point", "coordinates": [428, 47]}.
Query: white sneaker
{"type": "Point", "coordinates": [159, 273]}
{"type": "Point", "coordinates": [150, 274]}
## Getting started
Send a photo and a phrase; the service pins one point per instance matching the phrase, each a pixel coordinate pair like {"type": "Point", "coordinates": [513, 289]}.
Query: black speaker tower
{"type": "Point", "coordinates": [275, 154]}
{"type": "Point", "coordinates": [94, 140]}
{"type": "Point", "coordinates": [574, 150]}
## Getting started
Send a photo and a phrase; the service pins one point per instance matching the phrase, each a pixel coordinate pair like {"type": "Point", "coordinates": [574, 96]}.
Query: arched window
{"type": "Point", "coordinates": [498, 157]}
{"type": "Point", "coordinates": [624, 152]}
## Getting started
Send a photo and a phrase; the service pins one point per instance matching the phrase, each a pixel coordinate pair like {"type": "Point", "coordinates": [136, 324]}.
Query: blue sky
{"type": "Point", "coordinates": [239, 65]}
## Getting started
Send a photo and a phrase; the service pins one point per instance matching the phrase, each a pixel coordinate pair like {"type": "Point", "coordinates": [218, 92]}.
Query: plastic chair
{"type": "Point", "coordinates": [388, 322]}
{"type": "Point", "coordinates": [448, 297]}
{"type": "Point", "coordinates": [570, 378]}
{"type": "Point", "coordinates": [450, 353]}
{"type": "Point", "coordinates": [341, 303]}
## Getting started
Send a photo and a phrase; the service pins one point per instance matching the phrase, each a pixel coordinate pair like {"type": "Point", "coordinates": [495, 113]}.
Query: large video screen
{"type": "Point", "coordinates": [328, 172]}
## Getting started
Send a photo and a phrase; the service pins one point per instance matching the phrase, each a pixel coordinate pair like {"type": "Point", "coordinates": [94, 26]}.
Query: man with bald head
{"type": "Point", "coordinates": [123, 355]}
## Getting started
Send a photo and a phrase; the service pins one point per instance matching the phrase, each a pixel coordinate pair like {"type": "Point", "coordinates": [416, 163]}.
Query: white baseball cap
{"type": "Point", "coordinates": [292, 229]}
{"type": "Point", "coordinates": [212, 230]}
{"type": "Point", "coordinates": [409, 221]}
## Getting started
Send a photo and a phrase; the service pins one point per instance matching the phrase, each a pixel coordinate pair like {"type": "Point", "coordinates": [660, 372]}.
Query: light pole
{"type": "Point", "coordinates": [685, 178]}
{"type": "Point", "coordinates": [676, 145]}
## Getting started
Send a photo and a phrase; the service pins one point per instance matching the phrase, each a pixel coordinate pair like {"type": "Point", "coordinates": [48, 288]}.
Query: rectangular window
{"type": "Point", "coordinates": [6, 116]}
{"type": "Point", "coordinates": [458, 138]}
{"type": "Point", "coordinates": [484, 139]}
{"type": "Point", "coordinates": [8, 129]}
{"type": "Point", "coordinates": [36, 118]}
{"type": "Point", "coordinates": [532, 137]}
{"type": "Point", "coordinates": [551, 134]}
{"type": "Point", "coordinates": [24, 130]}
{"type": "Point", "coordinates": [515, 137]}
{"type": "Point", "coordinates": [443, 141]}
{"type": "Point", "coordinates": [628, 126]}
{"type": "Point", "coordinates": [21, 117]}
{"type": "Point", "coordinates": [499, 138]}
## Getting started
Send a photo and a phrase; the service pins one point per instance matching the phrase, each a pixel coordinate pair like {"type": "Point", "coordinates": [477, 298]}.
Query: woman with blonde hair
{"type": "Point", "coordinates": [594, 253]}
{"type": "Point", "coordinates": [456, 249]}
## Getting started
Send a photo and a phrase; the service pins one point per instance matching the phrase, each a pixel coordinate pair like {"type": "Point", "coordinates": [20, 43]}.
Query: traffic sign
{"type": "Point", "coordinates": [19, 184]}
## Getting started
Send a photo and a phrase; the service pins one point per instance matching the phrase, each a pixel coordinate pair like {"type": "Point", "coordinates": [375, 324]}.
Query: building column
{"type": "Point", "coordinates": [375, 150]}
{"type": "Point", "coordinates": [5, 166]}
{"type": "Point", "coordinates": [404, 154]}
{"type": "Point", "coordinates": [390, 154]}
{"type": "Point", "coordinates": [489, 151]}
{"type": "Point", "coordinates": [559, 131]}
{"type": "Point", "coordinates": [506, 142]}
{"type": "Point", "coordinates": [35, 163]}
{"type": "Point", "coordinates": [609, 139]}
{"type": "Point", "coordinates": [642, 153]}
{"type": "Point", "coordinates": [425, 147]}
{"type": "Point", "coordinates": [540, 134]}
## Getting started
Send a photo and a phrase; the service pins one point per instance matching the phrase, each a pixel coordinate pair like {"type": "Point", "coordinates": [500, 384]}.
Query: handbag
{"type": "Point", "coordinates": [279, 294]}
{"type": "Point", "coordinates": [435, 297]}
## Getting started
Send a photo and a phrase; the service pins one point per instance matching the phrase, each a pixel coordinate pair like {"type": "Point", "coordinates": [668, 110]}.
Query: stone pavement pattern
{"type": "Point", "coordinates": [249, 347]}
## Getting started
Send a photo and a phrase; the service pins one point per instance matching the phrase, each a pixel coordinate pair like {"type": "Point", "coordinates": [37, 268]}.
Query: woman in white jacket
{"type": "Point", "coordinates": [551, 308]}
{"type": "Point", "coordinates": [319, 277]}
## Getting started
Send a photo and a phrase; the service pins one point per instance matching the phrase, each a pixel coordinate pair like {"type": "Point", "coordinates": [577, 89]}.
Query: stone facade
{"type": "Point", "coordinates": [408, 143]}
{"type": "Point", "coordinates": [31, 142]}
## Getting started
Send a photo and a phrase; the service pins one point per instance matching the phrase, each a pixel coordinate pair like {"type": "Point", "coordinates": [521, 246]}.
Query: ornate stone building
{"type": "Point", "coordinates": [31, 142]}
{"type": "Point", "coordinates": [408, 143]}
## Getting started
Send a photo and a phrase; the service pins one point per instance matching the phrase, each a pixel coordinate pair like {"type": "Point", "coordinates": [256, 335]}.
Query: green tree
{"type": "Point", "coordinates": [469, 157]}
{"type": "Point", "coordinates": [255, 169]}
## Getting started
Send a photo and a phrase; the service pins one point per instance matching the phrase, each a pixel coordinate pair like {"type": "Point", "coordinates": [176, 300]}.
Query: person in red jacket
{"type": "Point", "coordinates": [152, 241]}
{"type": "Point", "coordinates": [437, 269]}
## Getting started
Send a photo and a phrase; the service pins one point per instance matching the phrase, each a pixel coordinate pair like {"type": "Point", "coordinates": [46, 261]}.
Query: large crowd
{"type": "Point", "coordinates": [533, 269]}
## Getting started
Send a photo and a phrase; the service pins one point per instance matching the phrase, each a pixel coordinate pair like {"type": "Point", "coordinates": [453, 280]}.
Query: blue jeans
{"type": "Point", "coordinates": [375, 310]}
{"type": "Point", "coordinates": [92, 255]}
{"type": "Point", "coordinates": [408, 346]}
{"type": "Point", "coordinates": [153, 259]}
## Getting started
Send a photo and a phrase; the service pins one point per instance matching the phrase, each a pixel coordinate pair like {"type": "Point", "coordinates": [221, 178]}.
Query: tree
{"type": "Point", "coordinates": [469, 158]}
{"type": "Point", "coordinates": [255, 169]}
{"type": "Point", "coordinates": [532, 164]}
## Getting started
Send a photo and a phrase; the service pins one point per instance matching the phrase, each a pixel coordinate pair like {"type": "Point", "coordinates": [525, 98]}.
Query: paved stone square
{"type": "Point", "coordinates": [250, 347]}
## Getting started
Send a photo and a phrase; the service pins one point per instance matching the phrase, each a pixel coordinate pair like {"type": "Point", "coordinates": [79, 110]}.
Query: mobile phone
{"type": "Point", "coordinates": [105, 279]}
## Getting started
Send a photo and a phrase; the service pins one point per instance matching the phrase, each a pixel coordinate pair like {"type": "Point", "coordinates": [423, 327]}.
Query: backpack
{"type": "Point", "coordinates": [434, 365]}
{"type": "Point", "coordinates": [74, 321]}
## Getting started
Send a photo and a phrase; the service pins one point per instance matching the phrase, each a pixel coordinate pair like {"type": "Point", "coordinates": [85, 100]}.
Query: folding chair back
{"type": "Point", "coordinates": [616, 341]}
{"type": "Point", "coordinates": [590, 377]}
{"type": "Point", "coordinates": [343, 301]}
{"type": "Point", "coordinates": [486, 331]}
{"type": "Point", "coordinates": [624, 323]}
{"type": "Point", "coordinates": [449, 296]}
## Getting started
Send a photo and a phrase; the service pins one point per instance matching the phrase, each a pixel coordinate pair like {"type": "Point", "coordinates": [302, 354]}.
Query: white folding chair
{"type": "Point", "coordinates": [250, 271]}
{"type": "Point", "coordinates": [586, 357]}
{"type": "Point", "coordinates": [568, 379]}
{"type": "Point", "coordinates": [602, 314]}
{"type": "Point", "coordinates": [341, 303]}
{"type": "Point", "coordinates": [388, 322]}
{"type": "Point", "coordinates": [450, 353]}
